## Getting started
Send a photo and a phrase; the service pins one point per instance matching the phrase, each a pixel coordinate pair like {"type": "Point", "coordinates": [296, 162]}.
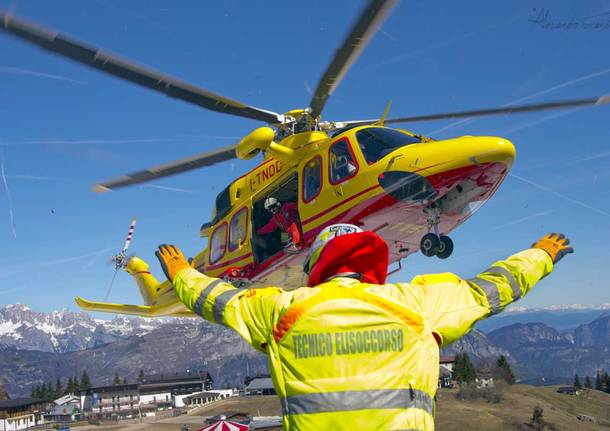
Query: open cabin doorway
{"type": "Point", "coordinates": [267, 245]}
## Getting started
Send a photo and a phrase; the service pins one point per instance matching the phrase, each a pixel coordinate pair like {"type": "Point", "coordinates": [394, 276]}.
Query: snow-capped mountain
{"type": "Point", "coordinates": [65, 331]}
{"type": "Point", "coordinates": [559, 308]}
{"type": "Point", "coordinates": [560, 317]}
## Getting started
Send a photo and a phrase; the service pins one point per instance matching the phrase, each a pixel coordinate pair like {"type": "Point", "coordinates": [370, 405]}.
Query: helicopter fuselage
{"type": "Point", "coordinates": [396, 193]}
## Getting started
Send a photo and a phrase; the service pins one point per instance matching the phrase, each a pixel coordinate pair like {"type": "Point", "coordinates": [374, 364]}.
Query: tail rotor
{"type": "Point", "coordinates": [121, 259]}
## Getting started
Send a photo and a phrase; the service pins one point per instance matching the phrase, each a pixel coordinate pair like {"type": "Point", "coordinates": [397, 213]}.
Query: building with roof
{"type": "Point", "coordinates": [64, 409]}
{"type": "Point", "coordinates": [155, 393]}
{"type": "Point", "coordinates": [59, 414]}
{"type": "Point", "coordinates": [445, 372]}
{"type": "Point", "coordinates": [484, 379]}
{"type": "Point", "coordinates": [164, 391]}
{"type": "Point", "coordinates": [67, 399]}
{"type": "Point", "coordinates": [260, 385]}
{"type": "Point", "coordinates": [447, 362]}
{"type": "Point", "coordinates": [111, 401]}
{"type": "Point", "coordinates": [21, 413]}
{"type": "Point", "coordinates": [203, 398]}
{"type": "Point", "coordinates": [568, 390]}
{"type": "Point", "coordinates": [200, 399]}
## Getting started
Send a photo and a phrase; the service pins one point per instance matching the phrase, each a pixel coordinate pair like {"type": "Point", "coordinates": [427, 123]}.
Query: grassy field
{"type": "Point", "coordinates": [516, 409]}
{"type": "Point", "coordinates": [256, 406]}
{"type": "Point", "coordinates": [512, 413]}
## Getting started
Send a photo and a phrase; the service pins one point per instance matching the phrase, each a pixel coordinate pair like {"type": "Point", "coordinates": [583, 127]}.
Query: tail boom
{"type": "Point", "coordinates": [159, 299]}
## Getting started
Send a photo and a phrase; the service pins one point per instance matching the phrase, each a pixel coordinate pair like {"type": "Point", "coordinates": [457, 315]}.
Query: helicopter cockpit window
{"type": "Point", "coordinates": [312, 179]}
{"type": "Point", "coordinates": [378, 142]}
{"type": "Point", "coordinates": [343, 164]}
{"type": "Point", "coordinates": [218, 243]}
{"type": "Point", "coordinates": [239, 229]}
{"type": "Point", "coordinates": [223, 204]}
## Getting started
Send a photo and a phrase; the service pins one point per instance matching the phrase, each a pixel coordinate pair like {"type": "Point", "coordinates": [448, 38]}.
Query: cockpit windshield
{"type": "Point", "coordinates": [377, 142]}
{"type": "Point", "coordinates": [223, 204]}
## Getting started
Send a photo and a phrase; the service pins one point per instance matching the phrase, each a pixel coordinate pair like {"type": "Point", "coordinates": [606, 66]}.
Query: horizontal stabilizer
{"type": "Point", "coordinates": [176, 309]}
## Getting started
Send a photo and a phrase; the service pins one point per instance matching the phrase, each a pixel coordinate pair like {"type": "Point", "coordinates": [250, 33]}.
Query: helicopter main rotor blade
{"type": "Point", "coordinates": [189, 163]}
{"type": "Point", "coordinates": [533, 107]}
{"type": "Point", "coordinates": [368, 22]}
{"type": "Point", "coordinates": [129, 71]}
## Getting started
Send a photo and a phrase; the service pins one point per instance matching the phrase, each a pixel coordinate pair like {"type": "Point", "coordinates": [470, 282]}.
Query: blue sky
{"type": "Point", "coordinates": [64, 127]}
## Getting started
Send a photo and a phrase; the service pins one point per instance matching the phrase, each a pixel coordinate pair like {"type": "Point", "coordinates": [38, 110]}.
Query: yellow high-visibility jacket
{"type": "Point", "coordinates": [346, 355]}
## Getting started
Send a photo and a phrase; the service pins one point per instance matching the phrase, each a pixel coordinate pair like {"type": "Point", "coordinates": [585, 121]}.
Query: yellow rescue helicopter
{"type": "Point", "coordinates": [410, 189]}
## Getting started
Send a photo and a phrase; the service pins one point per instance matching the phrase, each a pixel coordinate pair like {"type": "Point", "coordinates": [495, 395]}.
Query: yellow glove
{"type": "Point", "coordinates": [172, 260]}
{"type": "Point", "coordinates": [555, 244]}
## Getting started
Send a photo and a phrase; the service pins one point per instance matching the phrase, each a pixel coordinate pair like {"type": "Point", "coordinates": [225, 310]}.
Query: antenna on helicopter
{"type": "Point", "coordinates": [121, 259]}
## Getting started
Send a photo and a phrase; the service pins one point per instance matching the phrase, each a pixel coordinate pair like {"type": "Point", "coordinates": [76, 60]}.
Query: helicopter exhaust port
{"type": "Point", "coordinates": [407, 186]}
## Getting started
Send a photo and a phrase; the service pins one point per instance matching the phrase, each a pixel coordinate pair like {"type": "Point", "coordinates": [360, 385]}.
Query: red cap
{"type": "Point", "coordinates": [364, 253]}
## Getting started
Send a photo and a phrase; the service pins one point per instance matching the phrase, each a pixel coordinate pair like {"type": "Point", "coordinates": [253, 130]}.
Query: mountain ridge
{"type": "Point", "coordinates": [65, 331]}
{"type": "Point", "coordinates": [538, 352]}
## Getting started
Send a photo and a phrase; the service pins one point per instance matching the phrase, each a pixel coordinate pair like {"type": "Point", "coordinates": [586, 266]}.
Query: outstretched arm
{"type": "Point", "coordinates": [249, 312]}
{"type": "Point", "coordinates": [268, 228]}
{"type": "Point", "coordinates": [453, 305]}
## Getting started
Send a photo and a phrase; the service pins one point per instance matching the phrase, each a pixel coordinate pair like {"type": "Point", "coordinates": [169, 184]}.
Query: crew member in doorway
{"type": "Point", "coordinates": [352, 352]}
{"type": "Point", "coordinates": [285, 216]}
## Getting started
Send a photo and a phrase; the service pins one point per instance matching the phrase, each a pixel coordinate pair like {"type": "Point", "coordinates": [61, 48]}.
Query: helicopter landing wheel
{"type": "Point", "coordinates": [445, 247]}
{"type": "Point", "coordinates": [429, 244]}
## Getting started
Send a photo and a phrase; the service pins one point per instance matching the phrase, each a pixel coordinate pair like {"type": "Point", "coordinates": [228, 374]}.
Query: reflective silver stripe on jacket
{"type": "Point", "coordinates": [322, 402]}
{"type": "Point", "coordinates": [511, 280]}
{"type": "Point", "coordinates": [198, 308]}
{"type": "Point", "coordinates": [491, 291]}
{"type": "Point", "coordinates": [221, 302]}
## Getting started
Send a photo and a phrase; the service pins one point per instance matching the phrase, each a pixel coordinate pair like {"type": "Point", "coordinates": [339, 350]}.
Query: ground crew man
{"type": "Point", "coordinates": [350, 352]}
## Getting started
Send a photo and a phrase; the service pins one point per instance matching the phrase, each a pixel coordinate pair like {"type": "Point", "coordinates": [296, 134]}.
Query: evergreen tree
{"type": "Point", "coordinates": [463, 370]}
{"type": "Point", "coordinates": [458, 369]}
{"type": "Point", "coordinates": [141, 376]}
{"type": "Point", "coordinates": [587, 383]}
{"type": "Point", "coordinates": [124, 380]}
{"type": "Point", "coordinates": [69, 386]}
{"type": "Point", "coordinates": [470, 371]}
{"type": "Point", "coordinates": [248, 379]}
{"type": "Point", "coordinates": [577, 384]}
{"type": "Point", "coordinates": [605, 382]}
{"type": "Point", "coordinates": [506, 371]}
{"type": "Point", "coordinates": [538, 418]}
{"type": "Point", "coordinates": [48, 392]}
{"type": "Point", "coordinates": [598, 382]}
{"type": "Point", "coordinates": [57, 392]}
{"type": "Point", "coordinates": [117, 379]}
{"type": "Point", "coordinates": [85, 382]}
{"type": "Point", "coordinates": [35, 392]}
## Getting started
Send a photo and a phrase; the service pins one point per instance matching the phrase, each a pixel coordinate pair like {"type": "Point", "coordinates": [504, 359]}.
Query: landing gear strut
{"type": "Point", "coordinates": [435, 244]}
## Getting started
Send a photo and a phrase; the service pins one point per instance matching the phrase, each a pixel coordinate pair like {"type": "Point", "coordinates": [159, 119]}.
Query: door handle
{"type": "Point", "coordinates": [339, 190]}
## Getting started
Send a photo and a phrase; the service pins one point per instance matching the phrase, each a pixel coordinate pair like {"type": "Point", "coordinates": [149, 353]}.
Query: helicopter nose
{"type": "Point", "coordinates": [491, 149]}
{"type": "Point", "coordinates": [420, 176]}
{"type": "Point", "coordinates": [406, 186]}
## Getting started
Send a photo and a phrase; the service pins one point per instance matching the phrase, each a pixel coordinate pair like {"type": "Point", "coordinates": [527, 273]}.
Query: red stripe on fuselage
{"type": "Point", "coordinates": [228, 262]}
{"type": "Point", "coordinates": [326, 211]}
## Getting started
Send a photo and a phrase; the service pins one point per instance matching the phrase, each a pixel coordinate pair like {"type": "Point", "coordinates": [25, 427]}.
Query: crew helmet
{"type": "Point", "coordinates": [271, 202]}
{"type": "Point", "coordinates": [324, 237]}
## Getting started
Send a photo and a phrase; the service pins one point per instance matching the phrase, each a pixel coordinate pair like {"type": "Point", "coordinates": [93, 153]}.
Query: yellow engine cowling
{"type": "Point", "coordinates": [290, 150]}
{"type": "Point", "coordinates": [258, 140]}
